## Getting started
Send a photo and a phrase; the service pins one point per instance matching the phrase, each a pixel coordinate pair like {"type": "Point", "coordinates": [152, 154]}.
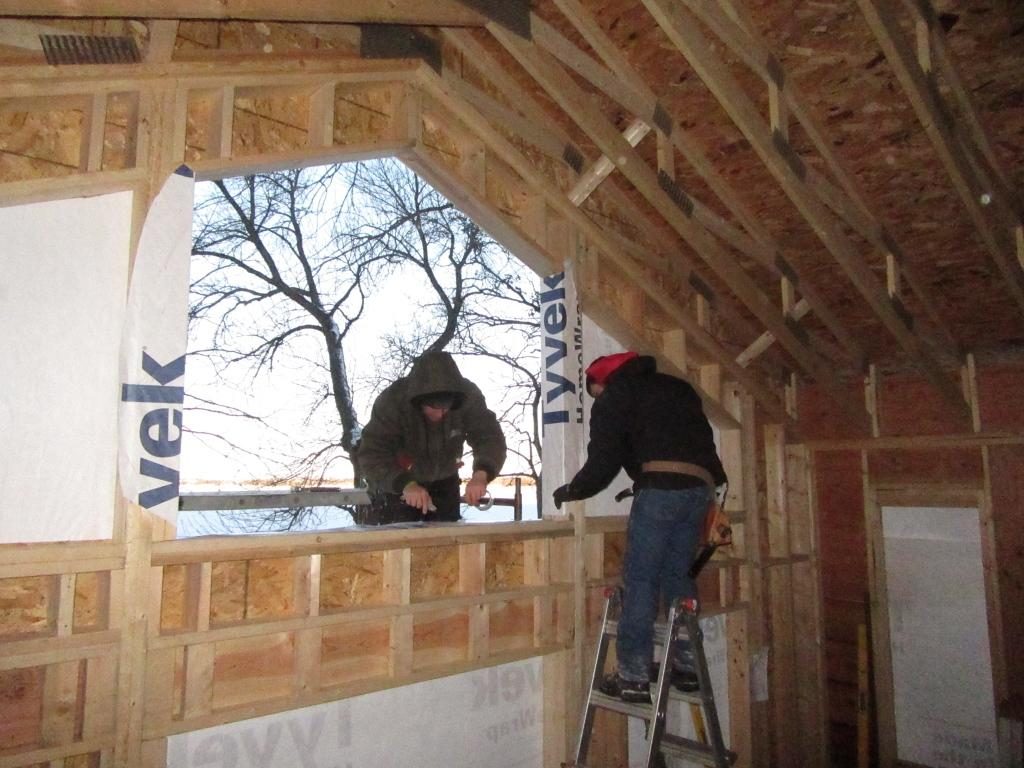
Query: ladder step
{"type": "Point", "coordinates": [660, 631]}
{"type": "Point", "coordinates": [695, 697]}
{"type": "Point", "coordinates": [694, 751]}
{"type": "Point", "coordinates": [604, 701]}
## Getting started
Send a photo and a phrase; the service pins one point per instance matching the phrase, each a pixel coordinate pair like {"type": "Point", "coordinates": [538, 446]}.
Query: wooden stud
{"type": "Point", "coordinates": [602, 167]}
{"type": "Point", "coordinates": [222, 119]}
{"type": "Point", "coordinates": [880, 638]}
{"type": "Point", "coordinates": [666, 155]}
{"type": "Point", "coordinates": [94, 120]}
{"type": "Point", "coordinates": [321, 116]}
{"type": "Point", "coordinates": [871, 399]}
{"type": "Point", "coordinates": [162, 35]}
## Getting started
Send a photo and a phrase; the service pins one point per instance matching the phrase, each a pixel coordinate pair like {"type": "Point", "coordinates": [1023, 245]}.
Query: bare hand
{"type": "Point", "coordinates": [415, 495]}
{"type": "Point", "coordinates": [477, 488]}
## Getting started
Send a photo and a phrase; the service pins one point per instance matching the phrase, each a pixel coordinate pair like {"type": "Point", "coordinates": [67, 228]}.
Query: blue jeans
{"type": "Point", "coordinates": [664, 532]}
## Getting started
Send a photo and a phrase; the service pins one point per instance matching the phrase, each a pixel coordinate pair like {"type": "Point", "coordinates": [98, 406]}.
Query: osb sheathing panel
{"type": "Point", "coordinates": [21, 696]}
{"type": "Point", "coordinates": [1001, 392]}
{"type": "Point", "coordinates": [264, 125]}
{"type": "Point", "coordinates": [351, 580]}
{"type": "Point", "coordinates": [434, 572]}
{"type": "Point", "coordinates": [355, 651]}
{"type": "Point", "coordinates": [362, 114]}
{"type": "Point", "coordinates": [253, 669]}
{"type": "Point", "coordinates": [25, 606]}
{"type": "Point", "coordinates": [91, 590]}
{"type": "Point", "coordinates": [173, 608]}
{"type": "Point", "coordinates": [510, 626]}
{"type": "Point", "coordinates": [828, 49]}
{"type": "Point", "coordinates": [252, 589]}
{"type": "Point", "coordinates": [504, 568]}
{"type": "Point", "coordinates": [440, 637]}
{"type": "Point", "coordinates": [37, 145]}
{"type": "Point", "coordinates": [614, 553]}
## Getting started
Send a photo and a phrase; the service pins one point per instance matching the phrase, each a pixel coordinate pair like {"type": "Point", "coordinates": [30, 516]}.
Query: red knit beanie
{"type": "Point", "coordinates": [604, 366]}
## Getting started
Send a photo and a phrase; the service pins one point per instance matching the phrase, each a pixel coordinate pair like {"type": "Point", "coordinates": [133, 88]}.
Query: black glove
{"type": "Point", "coordinates": [561, 495]}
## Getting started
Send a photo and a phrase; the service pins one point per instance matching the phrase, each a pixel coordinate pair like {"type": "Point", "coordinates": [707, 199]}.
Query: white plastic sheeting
{"type": "Point", "coordinates": [570, 341]}
{"type": "Point", "coordinates": [942, 671]}
{"type": "Point", "coordinates": [61, 311]}
{"type": "Point", "coordinates": [490, 717]}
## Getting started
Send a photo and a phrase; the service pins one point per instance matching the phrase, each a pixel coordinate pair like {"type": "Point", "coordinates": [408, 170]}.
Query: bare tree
{"type": "Point", "coordinates": [272, 273]}
{"type": "Point", "coordinates": [296, 255]}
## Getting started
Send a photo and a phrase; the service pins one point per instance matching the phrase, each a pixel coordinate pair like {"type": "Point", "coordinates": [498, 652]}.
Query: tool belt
{"type": "Point", "coordinates": [679, 468]}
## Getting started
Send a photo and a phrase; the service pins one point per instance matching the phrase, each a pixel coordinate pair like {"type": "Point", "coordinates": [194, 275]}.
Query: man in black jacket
{"type": "Point", "coordinates": [653, 426]}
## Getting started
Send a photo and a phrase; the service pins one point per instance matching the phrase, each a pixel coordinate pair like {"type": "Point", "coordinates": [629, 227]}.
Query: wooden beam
{"type": "Point", "coordinates": [421, 12]}
{"type": "Point", "coordinates": [25, 34]}
{"type": "Point", "coordinates": [732, 25]}
{"type": "Point", "coordinates": [504, 150]}
{"type": "Point", "coordinates": [683, 29]}
{"type": "Point", "coordinates": [770, 254]}
{"type": "Point", "coordinates": [547, 135]}
{"type": "Point", "coordinates": [162, 34]}
{"type": "Point", "coordinates": [601, 168]}
{"type": "Point", "coordinates": [561, 86]}
{"type": "Point", "coordinates": [938, 123]}
{"type": "Point", "coordinates": [932, 38]}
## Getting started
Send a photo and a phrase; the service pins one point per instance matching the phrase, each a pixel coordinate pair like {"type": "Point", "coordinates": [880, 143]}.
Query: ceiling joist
{"type": "Point", "coordinates": [991, 217]}
{"type": "Point", "coordinates": [563, 89]}
{"type": "Point", "coordinates": [767, 251]}
{"type": "Point", "coordinates": [682, 29]}
{"type": "Point", "coordinates": [736, 31]}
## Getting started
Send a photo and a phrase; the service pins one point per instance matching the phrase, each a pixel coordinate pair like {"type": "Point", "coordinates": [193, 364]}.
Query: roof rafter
{"type": "Point", "coordinates": [773, 257]}
{"type": "Point", "coordinates": [682, 29]}
{"type": "Point", "coordinates": [574, 101]}
{"type": "Point", "coordinates": [977, 189]}
{"type": "Point", "coordinates": [503, 149]}
{"type": "Point", "coordinates": [737, 31]}
{"type": "Point", "coordinates": [563, 146]}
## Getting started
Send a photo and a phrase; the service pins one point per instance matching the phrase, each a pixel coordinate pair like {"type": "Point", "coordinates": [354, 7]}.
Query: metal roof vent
{"type": "Point", "coordinates": [89, 49]}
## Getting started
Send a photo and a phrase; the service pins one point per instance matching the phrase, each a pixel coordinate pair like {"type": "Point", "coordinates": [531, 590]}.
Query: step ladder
{"type": "Point", "coordinates": [683, 622]}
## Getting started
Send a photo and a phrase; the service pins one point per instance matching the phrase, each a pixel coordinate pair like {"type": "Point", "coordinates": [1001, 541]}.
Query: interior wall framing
{"type": "Point", "coordinates": [919, 452]}
{"type": "Point", "coordinates": [114, 645]}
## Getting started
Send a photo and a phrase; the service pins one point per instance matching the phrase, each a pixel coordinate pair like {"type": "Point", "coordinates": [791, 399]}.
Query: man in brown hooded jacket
{"type": "Point", "coordinates": [413, 444]}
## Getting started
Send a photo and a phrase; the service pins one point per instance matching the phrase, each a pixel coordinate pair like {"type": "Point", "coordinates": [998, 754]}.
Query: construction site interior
{"type": "Point", "coordinates": [811, 210]}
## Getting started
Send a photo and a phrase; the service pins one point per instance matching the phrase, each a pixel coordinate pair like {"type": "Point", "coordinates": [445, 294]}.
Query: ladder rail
{"type": "Point", "coordinates": [587, 717]}
{"type": "Point", "coordinates": [683, 620]}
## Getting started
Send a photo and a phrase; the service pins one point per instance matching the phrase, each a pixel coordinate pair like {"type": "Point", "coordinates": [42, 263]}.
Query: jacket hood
{"type": "Point", "coordinates": [435, 374]}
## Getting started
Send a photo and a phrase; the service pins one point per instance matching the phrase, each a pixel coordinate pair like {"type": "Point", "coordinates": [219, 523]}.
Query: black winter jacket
{"type": "Point", "coordinates": [644, 415]}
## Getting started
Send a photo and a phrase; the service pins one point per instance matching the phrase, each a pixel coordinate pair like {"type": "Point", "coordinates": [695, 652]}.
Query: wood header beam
{"type": "Point", "coordinates": [449, 13]}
